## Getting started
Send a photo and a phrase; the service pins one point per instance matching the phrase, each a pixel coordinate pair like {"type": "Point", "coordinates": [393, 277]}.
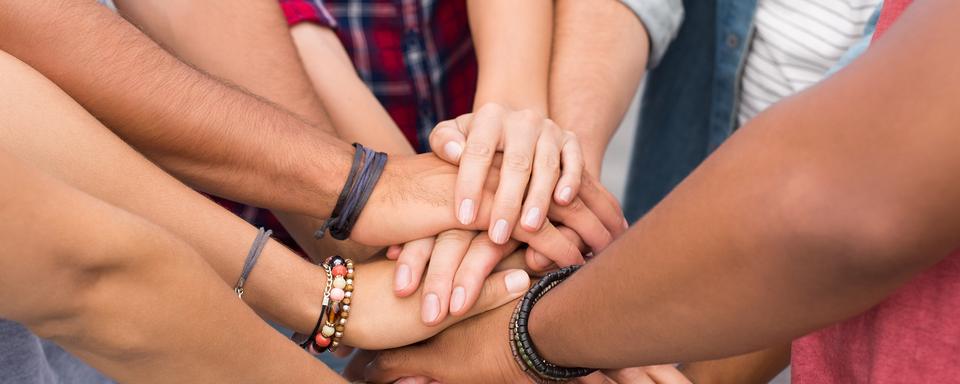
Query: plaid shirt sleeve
{"type": "Point", "coordinates": [313, 11]}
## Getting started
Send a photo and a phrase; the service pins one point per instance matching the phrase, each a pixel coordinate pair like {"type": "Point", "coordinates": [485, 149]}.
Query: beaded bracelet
{"type": "Point", "coordinates": [522, 346]}
{"type": "Point", "coordinates": [313, 341]}
{"type": "Point", "coordinates": [343, 279]}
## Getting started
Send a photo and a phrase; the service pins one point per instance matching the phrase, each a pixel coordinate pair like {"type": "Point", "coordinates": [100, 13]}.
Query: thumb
{"type": "Point", "coordinates": [448, 139]}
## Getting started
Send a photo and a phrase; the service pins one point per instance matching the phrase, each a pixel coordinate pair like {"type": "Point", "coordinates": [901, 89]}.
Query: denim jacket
{"type": "Point", "coordinates": [691, 98]}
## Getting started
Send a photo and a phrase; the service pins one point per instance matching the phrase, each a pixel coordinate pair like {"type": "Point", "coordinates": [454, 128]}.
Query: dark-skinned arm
{"type": "Point", "coordinates": [810, 214]}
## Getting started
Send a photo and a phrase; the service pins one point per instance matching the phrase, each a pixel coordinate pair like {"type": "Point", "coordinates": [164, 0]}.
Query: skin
{"type": "Point", "coordinates": [802, 220]}
{"type": "Point", "coordinates": [187, 123]}
{"type": "Point", "coordinates": [74, 147]}
{"type": "Point", "coordinates": [111, 288]}
{"type": "Point", "coordinates": [757, 367]}
{"type": "Point", "coordinates": [248, 45]}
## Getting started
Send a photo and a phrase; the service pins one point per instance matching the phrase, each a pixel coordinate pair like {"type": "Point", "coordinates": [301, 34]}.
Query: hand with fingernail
{"type": "Point", "coordinates": [379, 320]}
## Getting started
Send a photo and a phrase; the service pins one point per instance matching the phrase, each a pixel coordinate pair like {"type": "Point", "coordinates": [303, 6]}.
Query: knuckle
{"type": "Point", "coordinates": [453, 236]}
{"type": "Point", "coordinates": [490, 108]}
{"type": "Point", "coordinates": [550, 161]}
{"type": "Point", "coordinates": [516, 162]}
{"type": "Point", "coordinates": [510, 203]}
{"type": "Point", "coordinates": [576, 205]}
{"type": "Point", "coordinates": [476, 150]}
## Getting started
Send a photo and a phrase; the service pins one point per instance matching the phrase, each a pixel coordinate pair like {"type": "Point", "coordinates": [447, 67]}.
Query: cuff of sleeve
{"type": "Point", "coordinates": [313, 11]}
{"type": "Point", "coordinates": [662, 19]}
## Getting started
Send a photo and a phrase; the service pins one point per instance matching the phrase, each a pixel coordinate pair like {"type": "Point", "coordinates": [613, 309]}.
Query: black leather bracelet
{"type": "Point", "coordinates": [364, 173]}
{"type": "Point", "coordinates": [522, 346]}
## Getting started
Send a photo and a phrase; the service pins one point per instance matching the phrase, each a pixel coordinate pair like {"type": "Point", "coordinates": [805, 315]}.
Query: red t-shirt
{"type": "Point", "coordinates": [911, 337]}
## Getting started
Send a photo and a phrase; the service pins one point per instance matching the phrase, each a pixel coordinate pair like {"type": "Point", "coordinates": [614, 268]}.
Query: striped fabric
{"type": "Point", "coordinates": [795, 44]}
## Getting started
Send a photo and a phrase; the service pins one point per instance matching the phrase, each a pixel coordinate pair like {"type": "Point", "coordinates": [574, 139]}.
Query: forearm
{"type": "Point", "coordinates": [72, 146]}
{"type": "Point", "coordinates": [354, 110]}
{"type": "Point", "coordinates": [756, 367]}
{"type": "Point", "coordinates": [512, 41]}
{"type": "Point", "coordinates": [244, 43]}
{"type": "Point", "coordinates": [115, 293]}
{"type": "Point", "coordinates": [811, 213]}
{"type": "Point", "coordinates": [600, 50]}
{"type": "Point", "coordinates": [213, 136]}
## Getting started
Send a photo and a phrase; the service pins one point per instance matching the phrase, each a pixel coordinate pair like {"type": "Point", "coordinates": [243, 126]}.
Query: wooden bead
{"type": "Point", "coordinates": [346, 300]}
{"type": "Point", "coordinates": [339, 328]}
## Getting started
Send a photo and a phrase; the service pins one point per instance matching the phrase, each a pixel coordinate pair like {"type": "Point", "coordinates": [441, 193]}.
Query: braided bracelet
{"type": "Point", "coordinates": [364, 173]}
{"type": "Point", "coordinates": [522, 346]}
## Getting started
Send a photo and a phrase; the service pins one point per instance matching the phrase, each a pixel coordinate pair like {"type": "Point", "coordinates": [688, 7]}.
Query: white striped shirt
{"type": "Point", "coordinates": [795, 44]}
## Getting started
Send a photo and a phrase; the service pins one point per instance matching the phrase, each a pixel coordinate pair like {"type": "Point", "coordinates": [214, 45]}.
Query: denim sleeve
{"type": "Point", "coordinates": [662, 20]}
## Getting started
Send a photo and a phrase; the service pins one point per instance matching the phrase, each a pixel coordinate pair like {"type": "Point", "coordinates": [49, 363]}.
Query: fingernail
{"type": "Point", "coordinates": [500, 232]}
{"type": "Point", "coordinates": [466, 211]}
{"type": "Point", "coordinates": [532, 220]}
{"type": "Point", "coordinates": [431, 308]}
{"type": "Point", "coordinates": [626, 224]}
{"type": "Point", "coordinates": [517, 281]}
{"type": "Point", "coordinates": [541, 261]}
{"type": "Point", "coordinates": [405, 380]}
{"type": "Point", "coordinates": [402, 279]}
{"type": "Point", "coordinates": [457, 299]}
{"type": "Point", "coordinates": [453, 150]}
{"type": "Point", "coordinates": [566, 194]}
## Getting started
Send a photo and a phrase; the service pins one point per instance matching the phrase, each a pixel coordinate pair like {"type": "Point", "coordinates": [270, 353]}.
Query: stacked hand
{"type": "Point", "coordinates": [509, 162]}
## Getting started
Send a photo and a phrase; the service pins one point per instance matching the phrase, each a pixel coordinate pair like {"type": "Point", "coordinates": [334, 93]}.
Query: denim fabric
{"type": "Point", "coordinates": [690, 103]}
{"type": "Point", "coordinates": [690, 99]}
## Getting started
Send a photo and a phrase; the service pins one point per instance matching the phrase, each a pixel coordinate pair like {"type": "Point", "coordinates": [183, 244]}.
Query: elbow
{"type": "Point", "coordinates": [857, 234]}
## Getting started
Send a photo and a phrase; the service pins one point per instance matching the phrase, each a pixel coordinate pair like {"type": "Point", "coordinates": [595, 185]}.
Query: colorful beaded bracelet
{"type": "Point", "coordinates": [343, 279]}
{"type": "Point", "coordinates": [522, 346]}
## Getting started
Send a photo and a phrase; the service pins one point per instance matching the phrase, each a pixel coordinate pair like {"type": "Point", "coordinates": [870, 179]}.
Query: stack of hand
{"type": "Point", "coordinates": [505, 190]}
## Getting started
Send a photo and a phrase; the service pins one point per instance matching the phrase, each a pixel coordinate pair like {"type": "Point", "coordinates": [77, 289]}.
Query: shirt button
{"type": "Point", "coordinates": [732, 40]}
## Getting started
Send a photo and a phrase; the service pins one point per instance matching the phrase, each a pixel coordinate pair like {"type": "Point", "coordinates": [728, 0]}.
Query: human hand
{"type": "Point", "coordinates": [419, 189]}
{"type": "Point", "coordinates": [655, 374]}
{"type": "Point", "coordinates": [533, 150]}
{"type": "Point", "coordinates": [379, 320]}
{"type": "Point", "coordinates": [479, 343]}
{"type": "Point", "coordinates": [459, 261]}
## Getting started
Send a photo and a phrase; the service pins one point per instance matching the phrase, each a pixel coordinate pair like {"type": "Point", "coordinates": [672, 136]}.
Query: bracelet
{"type": "Point", "coordinates": [364, 173]}
{"type": "Point", "coordinates": [311, 342]}
{"type": "Point", "coordinates": [252, 256]}
{"type": "Point", "coordinates": [340, 322]}
{"type": "Point", "coordinates": [522, 346]}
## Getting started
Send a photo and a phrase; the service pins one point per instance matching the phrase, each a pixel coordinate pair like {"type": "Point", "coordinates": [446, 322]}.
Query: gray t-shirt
{"type": "Point", "coordinates": [28, 359]}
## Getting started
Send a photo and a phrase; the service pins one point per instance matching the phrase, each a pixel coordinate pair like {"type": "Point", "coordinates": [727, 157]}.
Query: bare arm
{"type": "Point", "coordinates": [802, 219]}
{"type": "Point", "coordinates": [215, 137]}
{"type": "Point", "coordinates": [810, 214]}
{"type": "Point", "coordinates": [600, 51]}
{"type": "Point", "coordinates": [113, 289]}
{"type": "Point", "coordinates": [250, 45]}
{"type": "Point", "coordinates": [355, 111]}
{"type": "Point", "coordinates": [756, 367]}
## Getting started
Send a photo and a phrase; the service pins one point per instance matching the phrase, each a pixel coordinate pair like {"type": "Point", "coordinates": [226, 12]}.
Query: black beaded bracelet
{"type": "Point", "coordinates": [522, 346]}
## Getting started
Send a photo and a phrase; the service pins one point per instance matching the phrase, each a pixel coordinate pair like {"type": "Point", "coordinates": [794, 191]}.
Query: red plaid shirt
{"type": "Point", "coordinates": [416, 56]}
